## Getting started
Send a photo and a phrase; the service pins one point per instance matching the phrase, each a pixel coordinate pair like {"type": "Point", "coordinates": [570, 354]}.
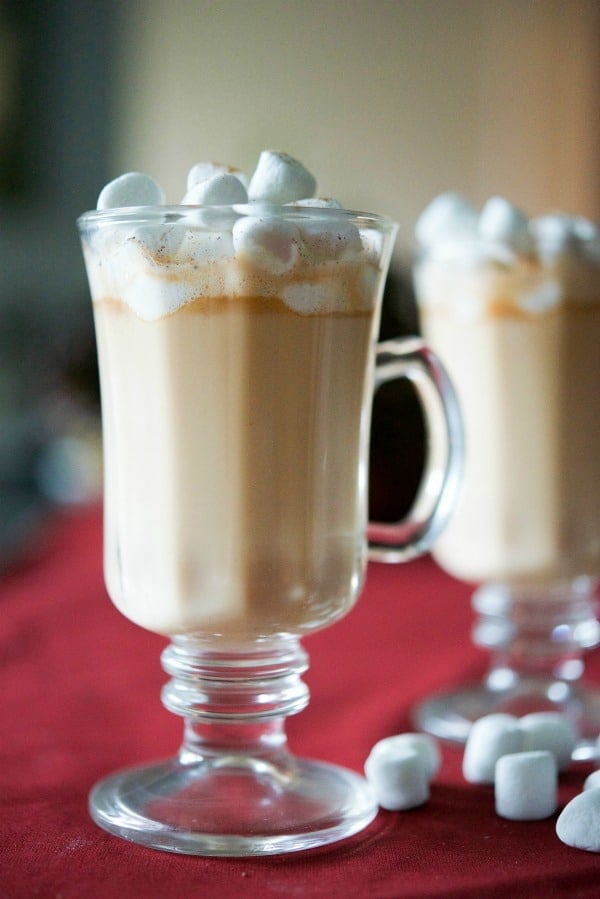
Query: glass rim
{"type": "Point", "coordinates": [172, 214]}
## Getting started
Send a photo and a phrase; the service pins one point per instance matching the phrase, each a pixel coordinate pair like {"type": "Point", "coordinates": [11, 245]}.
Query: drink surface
{"type": "Point", "coordinates": [520, 336]}
{"type": "Point", "coordinates": [234, 435]}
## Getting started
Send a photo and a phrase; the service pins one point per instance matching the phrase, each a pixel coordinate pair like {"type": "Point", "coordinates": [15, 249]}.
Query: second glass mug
{"type": "Point", "coordinates": [236, 405]}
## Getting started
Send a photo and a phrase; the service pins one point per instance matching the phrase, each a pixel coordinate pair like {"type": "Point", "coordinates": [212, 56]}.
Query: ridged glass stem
{"type": "Point", "coordinates": [234, 703]}
{"type": "Point", "coordinates": [536, 632]}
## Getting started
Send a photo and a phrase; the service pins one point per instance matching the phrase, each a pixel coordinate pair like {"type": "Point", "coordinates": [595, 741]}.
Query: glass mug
{"type": "Point", "coordinates": [236, 399]}
{"type": "Point", "coordinates": [520, 334]}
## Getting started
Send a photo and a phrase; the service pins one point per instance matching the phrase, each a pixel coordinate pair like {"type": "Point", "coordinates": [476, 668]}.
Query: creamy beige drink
{"type": "Point", "coordinates": [232, 397]}
{"type": "Point", "coordinates": [513, 309]}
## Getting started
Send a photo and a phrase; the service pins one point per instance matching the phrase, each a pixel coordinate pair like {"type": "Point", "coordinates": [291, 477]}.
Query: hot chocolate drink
{"type": "Point", "coordinates": [513, 309]}
{"type": "Point", "coordinates": [237, 348]}
{"type": "Point", "coordinates": [234, 423]}
{"type": "Point", "coordinates": [233, 346]}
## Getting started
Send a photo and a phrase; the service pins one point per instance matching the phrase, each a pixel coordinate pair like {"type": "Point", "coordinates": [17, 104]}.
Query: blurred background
{"type": "Point", "coordinates": [388, 102]}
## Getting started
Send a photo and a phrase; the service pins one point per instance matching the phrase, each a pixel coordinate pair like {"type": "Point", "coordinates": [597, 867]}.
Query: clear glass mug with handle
{"type": "Point", "coordinates": [236, 402]}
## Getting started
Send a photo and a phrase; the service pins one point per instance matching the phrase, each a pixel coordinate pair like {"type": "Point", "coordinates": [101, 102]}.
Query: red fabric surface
{"type": "Point", "coordinates": [80, 698]}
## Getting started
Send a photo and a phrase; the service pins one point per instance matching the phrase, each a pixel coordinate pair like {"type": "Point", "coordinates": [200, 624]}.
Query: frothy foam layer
{"type": "Point", "coordinates": [227, 239]}
{"type": "Point", "coordinates": [321, 261]}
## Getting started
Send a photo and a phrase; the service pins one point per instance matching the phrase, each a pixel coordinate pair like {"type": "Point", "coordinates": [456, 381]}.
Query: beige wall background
{"type": "Point", "coordinates": [388, 102]}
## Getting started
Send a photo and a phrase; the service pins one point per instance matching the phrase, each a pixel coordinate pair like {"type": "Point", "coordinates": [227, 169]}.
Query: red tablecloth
{"type": "Point", "coordinates": [80, 698]}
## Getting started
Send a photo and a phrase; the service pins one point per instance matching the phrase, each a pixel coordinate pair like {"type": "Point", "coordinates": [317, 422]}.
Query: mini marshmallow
{"type": "Point", "coordinates": [448, 217]}
{"type": "Point", "coordinates": [592, 781]}
{"type": "Point", "coordinates": [161, 241]}
{"type": "Point", "coordinates": [271, 244]}
{"type": "Point", "coordinates": [424, 744]}
{"type": "Point", "coordinates": [131, 189]}
{"type": "Point", "coordinates": [201, 247]}
{"type": "Point", "coordinates": [220, 189]}
{"type": "Point", "coordinates": [584, 229]}
{"type": "Point", "coordinates": [398, 780]}
{"type": "Point", "coordinates": [280, 179]}
{"type": "Point", "coordinates": [526, 786]}
{"type": "Point", "coordinates": [490, 738]}
{"type": "Point", "coordinates": [202, 171]}
{"type": "Point", "coordinates": [551, 731]}
{"type": "Point", "coordinates": [501, 222]}
{"type": "Point", "coordinates": [329, 240]}
{"type": "Point", "coordinates": [554, 234]}
{"type": "Point", "coordinates": [578, 824]}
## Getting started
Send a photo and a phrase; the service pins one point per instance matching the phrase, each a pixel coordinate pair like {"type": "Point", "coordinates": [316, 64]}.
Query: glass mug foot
{"type": "Point", "coordinates": [537, 638]}
{"type": "Point", "coordinates": [234, 789]}
{"type": "Point", "coordinates": [229, 806]}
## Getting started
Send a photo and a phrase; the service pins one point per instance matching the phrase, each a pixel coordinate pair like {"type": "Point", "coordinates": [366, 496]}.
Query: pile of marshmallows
{"type": "Point", "coordinates": [521, 757]}
{"type": "Point", "coordinates": [451, 227]}
{"type": "Point", "coordinates": [279, 180]}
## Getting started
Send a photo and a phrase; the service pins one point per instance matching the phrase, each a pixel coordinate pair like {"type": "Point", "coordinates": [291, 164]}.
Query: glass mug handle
{"type": "Point", "coordinates": [442, 476]}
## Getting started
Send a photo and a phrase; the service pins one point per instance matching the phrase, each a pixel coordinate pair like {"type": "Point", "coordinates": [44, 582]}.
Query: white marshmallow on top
{"type": "Point", "coordinates": [551, 731]}
{"type": "Point", "coordinates": [271, 244]}
{"type": "Point", "coordinates": [280, 179]}
{"type": "Point", "coordinates": [578, 825]}
{"type": "Point", "coordinates": [399, 780]}
{"type": "Point", "coordinates": [449, 217]}
{"type": "Point", "coordinates": [554, 234]}
{"type": "Point", "coordinates": [131, 189]}
{"type": "Point", "coordinates": [526, 786]}
{"type": "Point", "coordinates": [502, 223]}
{"type": "Point", "coordinates": [424, 744]}
{"type": "Point", "coordinates": [592, 781]}
{"type": "Point", "coordinates": [329, 240]}
{"type": "Point", "coordinates": [489, 739]}
{"type": "Point", "coordinates": [202, 171]}
{"type": "Point", "coordinates": [324, 238]}
{"type": "Point", "coordinates": [220, 189]}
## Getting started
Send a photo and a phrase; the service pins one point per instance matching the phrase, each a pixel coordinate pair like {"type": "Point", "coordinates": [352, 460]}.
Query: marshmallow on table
{"type": "Point", "coordinates": [399, 780]}
{"type": "Point", "coordinates": [220, 189]}
{"type": "Point", "coordinates": [280, 179]}
{"type": "Point", "coordinates": [271, 244]}
{"type": "Point", "coordinates": [578, 824]}
{"type": "Point", "coordinates": [131, 189]}
{"type": "Point", "coordinates": [424, 744]}
{"type": "Point", "coordinates": [526, 786]}
{"type": "Point", "coordinates": [490, 738]}
{"type": "Point", "coordinates": [551, 731]}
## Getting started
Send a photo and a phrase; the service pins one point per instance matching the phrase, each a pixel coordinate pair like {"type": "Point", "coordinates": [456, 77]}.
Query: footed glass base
{"type": "Point", "coordinates": [537, 637]}
{"type": "Point", "coordinates": [449, 716]}
{"type": "Point", "coordinates": [228, 806]}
